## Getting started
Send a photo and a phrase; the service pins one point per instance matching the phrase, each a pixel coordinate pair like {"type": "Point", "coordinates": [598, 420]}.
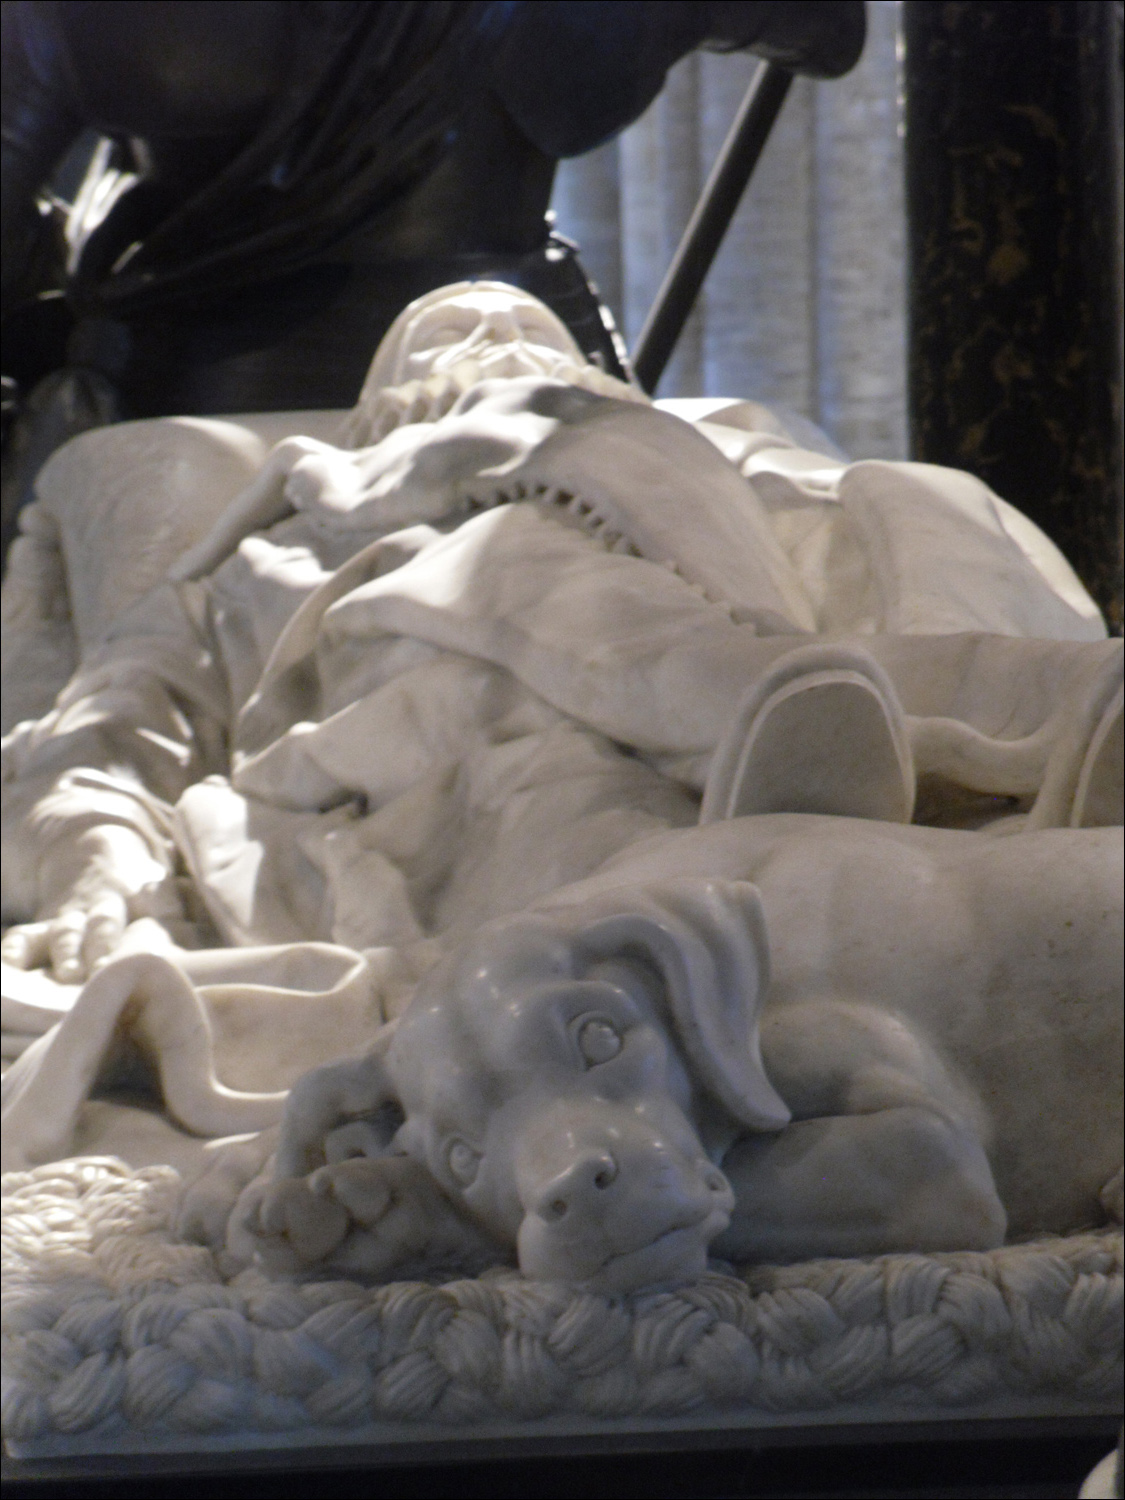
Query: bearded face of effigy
{"type": "Point", "coordinates": [453, 338]}
{"type": "Point", "coordinates": [504, 331]}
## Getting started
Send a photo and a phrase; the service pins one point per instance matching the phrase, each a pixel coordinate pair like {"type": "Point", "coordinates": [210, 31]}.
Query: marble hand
{"type": "Point", "coordinates": [88, 886]}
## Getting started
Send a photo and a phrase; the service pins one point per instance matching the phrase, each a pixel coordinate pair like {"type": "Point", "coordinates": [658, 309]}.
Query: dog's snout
{"type": "Point", "coordinates": [578, 1187]}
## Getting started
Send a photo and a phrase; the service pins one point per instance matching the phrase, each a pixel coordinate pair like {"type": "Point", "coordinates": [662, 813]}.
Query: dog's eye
{"type": "Point", "coordinates": [598, 1041]}
{"type": "Point", "coordinates": [463, 1162]}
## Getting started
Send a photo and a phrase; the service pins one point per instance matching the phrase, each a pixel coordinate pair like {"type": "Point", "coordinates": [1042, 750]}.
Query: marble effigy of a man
{"type": "Point", "coordinates": [513, 621]}
{"type": "Point", "coordinates": [516, 824]}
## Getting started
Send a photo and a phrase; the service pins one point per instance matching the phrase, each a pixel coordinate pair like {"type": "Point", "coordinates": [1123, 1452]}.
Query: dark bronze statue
{"type": "Point", "coordinates": [274, 180]}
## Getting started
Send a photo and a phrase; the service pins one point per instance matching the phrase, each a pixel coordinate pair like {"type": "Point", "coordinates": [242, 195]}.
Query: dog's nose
{"type": "Point", "coordinates": [578, 1188]}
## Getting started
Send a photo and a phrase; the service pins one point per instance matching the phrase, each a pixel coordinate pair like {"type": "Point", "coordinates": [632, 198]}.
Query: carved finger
{"type": "Point", "coordinates": [64, 943]}
{"type": "Point", "coordinates": [26, 946]}
{"type": "Point", "coordinates": [105, 927]}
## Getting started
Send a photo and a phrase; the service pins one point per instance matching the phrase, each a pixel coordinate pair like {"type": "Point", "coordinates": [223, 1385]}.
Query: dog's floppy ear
{"type": "Point", "coordinates": [707, 939]}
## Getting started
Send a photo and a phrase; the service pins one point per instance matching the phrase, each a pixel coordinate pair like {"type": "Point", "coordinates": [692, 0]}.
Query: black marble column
{"type": "Point", "coordinates": [1013, 119]}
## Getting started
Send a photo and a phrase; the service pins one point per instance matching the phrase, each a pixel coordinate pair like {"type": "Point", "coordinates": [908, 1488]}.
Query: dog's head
{"type": "Point", "coordinates": [572, 1077]}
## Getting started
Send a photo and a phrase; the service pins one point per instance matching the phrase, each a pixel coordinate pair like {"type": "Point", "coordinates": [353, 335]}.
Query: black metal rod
{"type": "Point", "coordinates": [713, 213]}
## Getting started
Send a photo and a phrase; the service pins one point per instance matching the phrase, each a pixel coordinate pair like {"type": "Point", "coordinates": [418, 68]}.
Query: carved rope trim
{"type": "Point", "coordinates": [110, 1325]}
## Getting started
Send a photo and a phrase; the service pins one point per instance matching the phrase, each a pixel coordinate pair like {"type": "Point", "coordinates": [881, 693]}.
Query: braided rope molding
{"type": "Point", "coordinates": [109, 1325]}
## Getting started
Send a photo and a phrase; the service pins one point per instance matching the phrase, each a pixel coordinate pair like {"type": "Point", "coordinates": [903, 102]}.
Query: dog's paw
{"type": "Point", "coordinates": [371, 1187]}
{"type": "Point", "coordinates": [394, 1207]}
{"type": "Point", "coordinates": [400, 1217]}
{"type": "Point", "coordinates": [291, 1226]}
{"type": "Point", "coordinates": [209, 1198]}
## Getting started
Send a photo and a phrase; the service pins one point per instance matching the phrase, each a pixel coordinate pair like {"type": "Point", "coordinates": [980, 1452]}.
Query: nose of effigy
{"type": "Point", "coordinates": [500, 327]}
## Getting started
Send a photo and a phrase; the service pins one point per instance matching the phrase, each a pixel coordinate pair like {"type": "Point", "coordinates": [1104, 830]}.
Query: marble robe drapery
{"type": "Point", "coordinates": [388, 716]}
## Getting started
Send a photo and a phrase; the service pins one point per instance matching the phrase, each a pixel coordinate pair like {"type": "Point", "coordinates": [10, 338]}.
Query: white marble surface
{"type": "Point", "coordinates": [887, 1038]}
{"type": "Point", "coordinates": [394, 691]}
{"type": "Point", "coordinates": [1103, 1482]}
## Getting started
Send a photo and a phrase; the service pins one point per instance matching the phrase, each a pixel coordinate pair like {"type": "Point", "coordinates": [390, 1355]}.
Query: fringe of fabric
{"type": "Point", "coordinates": [109, 1324]}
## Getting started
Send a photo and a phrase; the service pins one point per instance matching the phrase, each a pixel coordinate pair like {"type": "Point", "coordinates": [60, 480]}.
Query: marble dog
{"type": "Point", "coordinates": [771, 1038]}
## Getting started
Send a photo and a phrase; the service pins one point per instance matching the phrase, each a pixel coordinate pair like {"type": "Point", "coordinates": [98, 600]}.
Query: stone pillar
{"type": "Point", "coordinates": [1013, 126]}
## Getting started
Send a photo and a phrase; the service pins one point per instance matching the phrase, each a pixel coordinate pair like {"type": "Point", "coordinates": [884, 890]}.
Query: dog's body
{"type": "Point", "coordinates": [1002, 953]}
{"type": "Point", "coordinates": [939, 1020]}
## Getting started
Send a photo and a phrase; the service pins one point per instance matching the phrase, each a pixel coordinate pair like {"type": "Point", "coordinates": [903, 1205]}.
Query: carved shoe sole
{"type": "Point", "coordinates": [822, 732]}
